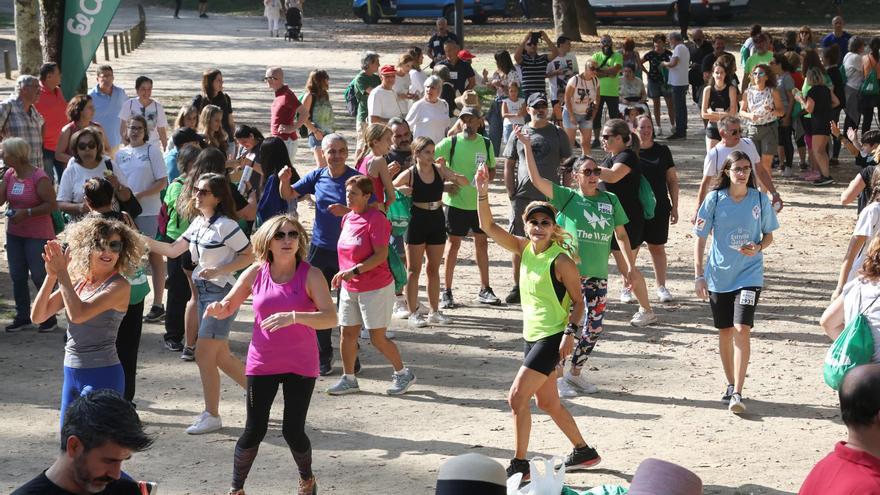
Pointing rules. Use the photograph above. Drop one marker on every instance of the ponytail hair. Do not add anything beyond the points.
(620, 128)
(557, 234)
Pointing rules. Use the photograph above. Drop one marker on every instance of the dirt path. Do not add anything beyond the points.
(659, 386)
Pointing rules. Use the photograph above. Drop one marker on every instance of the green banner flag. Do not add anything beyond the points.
(84, 25)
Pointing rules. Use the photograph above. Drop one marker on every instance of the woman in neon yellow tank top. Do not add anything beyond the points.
(552, 306)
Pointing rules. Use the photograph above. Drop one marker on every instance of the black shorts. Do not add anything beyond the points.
(731, 308)
(517, 208)
(542, 355)
(712, 132)
(656, 230)
(426, 227)
(186, 261)
(461, 222)
(635, 230)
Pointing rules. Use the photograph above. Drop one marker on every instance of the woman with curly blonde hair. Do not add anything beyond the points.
(90, 271)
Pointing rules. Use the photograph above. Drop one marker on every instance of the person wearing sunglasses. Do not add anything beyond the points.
(552, 309)
(88, 161)
(219, 248)
(80, 112)
(741, 221)
(762, 55)
(290, 300)
(90, 271)
(581, 102)
(533, 65)
(762, 108)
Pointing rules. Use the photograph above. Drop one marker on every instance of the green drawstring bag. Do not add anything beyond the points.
(869, 86)
(647, 198)
(399, 213)
(853, 347)
(398, 270)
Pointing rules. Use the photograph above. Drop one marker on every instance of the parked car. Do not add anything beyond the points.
(478, 11)
(702, 11)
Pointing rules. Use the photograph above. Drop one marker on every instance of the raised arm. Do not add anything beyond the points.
(504, 239)
(541, 184)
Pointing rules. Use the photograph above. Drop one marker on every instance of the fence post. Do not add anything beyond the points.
(7, 64)
(122, 47)
(127, 42)
(115, 47)
(95, 57)
(106, 50)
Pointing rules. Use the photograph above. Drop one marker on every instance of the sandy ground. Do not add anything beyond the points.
(659, 386)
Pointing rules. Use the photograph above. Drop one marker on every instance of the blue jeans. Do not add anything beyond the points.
(210, 327)
(24, 258)
(679, 103)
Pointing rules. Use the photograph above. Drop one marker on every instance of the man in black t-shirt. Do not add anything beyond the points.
(461, 74)
(699, 47)
(100, 431)
(708, 61)
(438, 40)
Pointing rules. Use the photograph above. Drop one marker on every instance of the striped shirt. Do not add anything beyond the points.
(534, 73)
(15, 122)
(213, 243)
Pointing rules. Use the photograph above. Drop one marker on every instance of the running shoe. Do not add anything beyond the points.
(626, 296)
(233, 491)
(823, 181)
(205, 423)
(727, 394)
(326, 369)
(446, 299)
(20, 326)
(417, 321)
(345, 386)
(389, 333)
(48, 326)
(519, 466)
(365, 334)
(580, 383)
(188, 354)
(438, 318)
(156, 314)
(400, 311)
(401, 382)
(308, 487)
(810, 175)
(664, 295)
(487, 296)
(643, 318)
(513, 295)
(581, 458)
(736, 405)
(173, 345)
(787, 171)
(564, 389)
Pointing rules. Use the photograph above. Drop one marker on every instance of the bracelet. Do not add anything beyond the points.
(484, 198)
(570, 329)
(697, 279)
(293, 314)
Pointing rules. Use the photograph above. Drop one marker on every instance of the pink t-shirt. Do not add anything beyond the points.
(21, 195)
(291, 349)
(361, 233)
(378, 187)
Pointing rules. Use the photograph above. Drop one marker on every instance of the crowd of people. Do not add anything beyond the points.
(103, 195)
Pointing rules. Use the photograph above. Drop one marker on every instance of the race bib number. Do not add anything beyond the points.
(747, 297)
(479, 159)
(605, 208)
(453, 75)
(18, 188)
(437, 43)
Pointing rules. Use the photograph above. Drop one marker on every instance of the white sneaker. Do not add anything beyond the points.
(417, 321)
(736, 405)
(659, 131)
(438, 318)
(401, 312)
(664, 295)
(205, 423)
(787, 172)
(365, 334)
(389, 333)
(564, 389)
(643, 318)
(580, 382)
(626, 296)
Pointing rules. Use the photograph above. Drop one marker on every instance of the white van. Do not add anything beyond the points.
(702, 11)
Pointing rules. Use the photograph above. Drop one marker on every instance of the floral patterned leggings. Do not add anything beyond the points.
(595, 292)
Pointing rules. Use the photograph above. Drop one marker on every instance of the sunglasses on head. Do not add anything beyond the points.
(542, 223)
(201, 192)
(586, 172)
(281, 235)
(113, 246)
(82, 146)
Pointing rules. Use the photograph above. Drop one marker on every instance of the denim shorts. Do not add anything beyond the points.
(581, 118)
(314, 142)
(210, 327)
(656, 90)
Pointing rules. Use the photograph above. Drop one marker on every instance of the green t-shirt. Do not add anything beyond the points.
(139, 286)
(757, 59)
(468, 152)
(176, 225)
(609, 86)
(591, 220)
(361, 83)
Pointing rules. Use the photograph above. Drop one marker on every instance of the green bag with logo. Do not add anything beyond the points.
(869, 86)
(399, 213)
(853, 347)
(647, 198)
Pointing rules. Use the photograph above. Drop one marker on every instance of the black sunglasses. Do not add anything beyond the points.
(586, 172)
(281, 235)
(733, 132)
(114, 246)
(201, 192)
(86, 146)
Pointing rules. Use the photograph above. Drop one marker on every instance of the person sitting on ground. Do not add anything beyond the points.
(101, 431)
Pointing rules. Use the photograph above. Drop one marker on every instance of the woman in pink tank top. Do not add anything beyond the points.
(371, 162)
(290, 300)
(31, 200)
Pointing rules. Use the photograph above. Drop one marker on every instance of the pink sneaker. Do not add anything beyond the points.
(810, 175)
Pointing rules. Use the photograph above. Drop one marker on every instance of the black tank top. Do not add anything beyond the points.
(719, 99)
(426, 193)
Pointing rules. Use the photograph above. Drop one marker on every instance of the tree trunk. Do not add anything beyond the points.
(586, 18)
(573, 18)
(53, 15)
(27, 37)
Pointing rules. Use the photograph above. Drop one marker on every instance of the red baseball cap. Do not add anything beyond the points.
(466, 55)
(388, 69)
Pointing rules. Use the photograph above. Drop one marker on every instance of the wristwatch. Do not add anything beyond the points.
(356, 270)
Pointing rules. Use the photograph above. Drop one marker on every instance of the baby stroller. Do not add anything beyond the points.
(293, 24)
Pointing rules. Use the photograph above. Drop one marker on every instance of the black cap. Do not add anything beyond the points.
(473, 111)
(187, 135)
(537, 98)
(540, 207)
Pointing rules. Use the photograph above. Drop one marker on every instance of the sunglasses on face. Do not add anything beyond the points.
(82, 146)
(759, 73)
(733, 132)
(201, 192)
(281, 235)
(113, 246)
(586, 172)
(542, 223)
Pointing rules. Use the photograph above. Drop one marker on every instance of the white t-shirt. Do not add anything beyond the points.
(142, 166)
(678, 75)
(586, 91)
(417, 81)
(214, 244)
(401, 87)
(567, 63)
(855, 74)
(858, 296)
(716, 156)
(383, 103)
(153, 112)
(514, 107)
(429, 119)
(867, 225)
(74, 179)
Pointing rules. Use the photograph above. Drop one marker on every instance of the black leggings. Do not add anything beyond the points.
(179, 294)
(785, 140)
(261, 392)
(128, 340)
(610, 102)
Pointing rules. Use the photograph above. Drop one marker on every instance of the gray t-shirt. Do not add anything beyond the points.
(784, 84)
(550, 146)
(93, 344)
